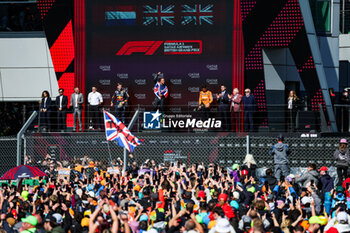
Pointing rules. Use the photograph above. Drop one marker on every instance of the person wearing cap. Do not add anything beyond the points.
(29, 224)
(340, 222)
(85, 224)
(280, 151)
(326, 184)
(225, 206)
(234, 173)
(222, 226)
(53, 223)
(326, 181)
(342, 157)
(90, 170)
(8, 223)
(314, 224)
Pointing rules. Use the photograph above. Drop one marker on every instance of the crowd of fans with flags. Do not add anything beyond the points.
(175, 197)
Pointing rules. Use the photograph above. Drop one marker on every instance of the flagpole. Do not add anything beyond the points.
(109, 149)
(110, 155)
(124, 140)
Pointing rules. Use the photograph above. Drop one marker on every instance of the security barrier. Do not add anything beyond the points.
(223, 148)
(8, 149)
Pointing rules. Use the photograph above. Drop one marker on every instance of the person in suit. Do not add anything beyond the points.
(61, 104)
(224, 106)
(45, 109)
(76, 101)
(248, 109)
(235, 109)
(292, 108)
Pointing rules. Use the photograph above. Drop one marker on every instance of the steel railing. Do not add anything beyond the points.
(267, 118)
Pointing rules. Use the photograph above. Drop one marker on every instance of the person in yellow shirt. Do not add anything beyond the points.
(205, 100)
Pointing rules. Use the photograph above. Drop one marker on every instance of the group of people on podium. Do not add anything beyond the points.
(61, 106)
(95, 100)
(229, 106)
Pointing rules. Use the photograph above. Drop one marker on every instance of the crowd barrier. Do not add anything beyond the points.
(222, 148)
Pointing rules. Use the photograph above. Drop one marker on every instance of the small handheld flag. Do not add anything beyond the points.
(117, 131)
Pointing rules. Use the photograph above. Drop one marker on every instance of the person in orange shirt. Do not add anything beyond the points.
(205, 100)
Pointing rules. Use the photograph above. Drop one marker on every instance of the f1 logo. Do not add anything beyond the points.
(147, 47)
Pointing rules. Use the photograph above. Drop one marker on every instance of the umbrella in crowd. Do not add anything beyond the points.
(22, 171)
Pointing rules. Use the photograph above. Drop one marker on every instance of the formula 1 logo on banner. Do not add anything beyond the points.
(151, 120)
(171, 47)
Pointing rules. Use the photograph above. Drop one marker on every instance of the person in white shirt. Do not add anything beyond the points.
(76, 101)
(95, 100)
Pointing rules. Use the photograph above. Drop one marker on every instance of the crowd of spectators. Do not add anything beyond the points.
(150, 197)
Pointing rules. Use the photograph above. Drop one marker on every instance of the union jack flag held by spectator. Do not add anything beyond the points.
(117, 131)
(197, 14)
(159, 15)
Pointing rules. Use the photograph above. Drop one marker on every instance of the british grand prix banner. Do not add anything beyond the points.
(129, 41)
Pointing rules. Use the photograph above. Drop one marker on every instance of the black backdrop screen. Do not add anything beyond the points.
(189, 41)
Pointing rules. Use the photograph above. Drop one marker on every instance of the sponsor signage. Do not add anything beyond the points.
(140, 82)
(170, 47)
(105, 82)
(212, 67)
(123, 76)
(155, 120)
(112, 171)
(63, 173)
(176, 81)
(173, 155)
(54, 151)
(140, 96)
(105, 68)
(193, 89)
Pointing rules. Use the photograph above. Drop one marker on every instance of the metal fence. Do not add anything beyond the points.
(275, 118)
(8, 149)
(222, 148)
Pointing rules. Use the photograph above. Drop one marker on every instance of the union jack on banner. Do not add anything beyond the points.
(198, 14)
(117, 131)
(158, 15)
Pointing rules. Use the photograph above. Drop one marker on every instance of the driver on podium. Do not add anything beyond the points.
(120, 99)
